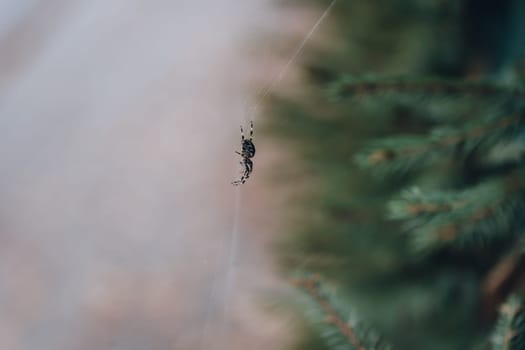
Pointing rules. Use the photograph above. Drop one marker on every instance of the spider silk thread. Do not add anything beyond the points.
(234, 235)
(279, 77)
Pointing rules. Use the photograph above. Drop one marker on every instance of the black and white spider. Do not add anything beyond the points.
(247, 152)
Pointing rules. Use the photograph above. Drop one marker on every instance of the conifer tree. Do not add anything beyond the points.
(413, 136)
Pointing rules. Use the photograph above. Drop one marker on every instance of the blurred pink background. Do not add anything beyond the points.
(118, 122)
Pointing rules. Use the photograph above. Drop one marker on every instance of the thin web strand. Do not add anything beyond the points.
(279, 77)
(234, 236)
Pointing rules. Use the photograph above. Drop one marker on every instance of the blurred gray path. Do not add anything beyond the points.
(118, 121)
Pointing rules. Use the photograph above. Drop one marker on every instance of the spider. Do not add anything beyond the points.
(247, 152)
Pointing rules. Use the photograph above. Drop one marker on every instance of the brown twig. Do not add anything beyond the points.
(435, 86)
(500, 281)
(381, 155)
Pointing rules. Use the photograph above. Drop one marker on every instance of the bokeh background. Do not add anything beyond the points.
(118, 122)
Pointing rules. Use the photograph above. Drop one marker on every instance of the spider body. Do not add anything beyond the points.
(247, 152)
(248, 148)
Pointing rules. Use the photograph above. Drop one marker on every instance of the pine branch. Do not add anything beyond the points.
(338, 332)
(435, 219)
(510, 329)
(401, 154)
(350, 86)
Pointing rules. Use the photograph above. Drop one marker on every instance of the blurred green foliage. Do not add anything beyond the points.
(436, 299)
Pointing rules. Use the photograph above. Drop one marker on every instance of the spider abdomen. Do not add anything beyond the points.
(248, 149)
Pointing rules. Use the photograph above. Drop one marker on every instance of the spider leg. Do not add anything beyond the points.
(239, 153)
(244, 177)
(251, 129)
(239, 182)
(242, 134)
(247, 170)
